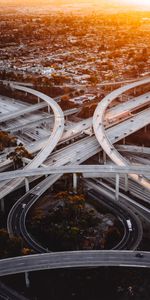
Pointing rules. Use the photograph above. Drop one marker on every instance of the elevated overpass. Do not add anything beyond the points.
(54, 137)
(73, 259)
(133, 149)
(120, 112)
(103, 138)
(89, 170)
(85, 148)
(76, 154)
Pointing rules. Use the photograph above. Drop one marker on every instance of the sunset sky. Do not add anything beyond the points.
(132, 2)
(136, 3)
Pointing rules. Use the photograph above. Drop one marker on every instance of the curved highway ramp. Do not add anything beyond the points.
(74, 259)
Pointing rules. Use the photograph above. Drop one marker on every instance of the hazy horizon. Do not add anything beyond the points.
(81, 4)
(63, 2)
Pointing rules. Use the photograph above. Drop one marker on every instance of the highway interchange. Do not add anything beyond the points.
(96, 134)
(74, 259)
(104, 139)
(69, 154)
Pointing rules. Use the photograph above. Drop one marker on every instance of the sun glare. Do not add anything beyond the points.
(138, 2)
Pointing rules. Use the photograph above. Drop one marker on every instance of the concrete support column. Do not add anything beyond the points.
(27, 281)
(124, 141)
(38, 100)
(23, 162)
(2, 205)
(48, 109)
(99, 157)
(27, 185)
(117, 187)
(75, 182)
(126, 183)
(104, 157)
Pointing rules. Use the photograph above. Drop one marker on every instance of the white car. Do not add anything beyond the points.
(23, 205)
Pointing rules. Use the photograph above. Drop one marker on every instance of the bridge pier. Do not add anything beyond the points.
(117, 187)
(126, 183)
(2, 205)
(27, 185)
(52, 187)
(99, 157)
(27, 280)
(75, 182)
(104, 157)
(48, 109)
(23, 162)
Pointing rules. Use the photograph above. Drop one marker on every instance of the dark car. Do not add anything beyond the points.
(140, 255)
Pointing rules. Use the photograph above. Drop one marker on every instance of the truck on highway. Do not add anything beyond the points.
(129, 225)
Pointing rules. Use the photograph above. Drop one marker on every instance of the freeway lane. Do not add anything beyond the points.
(46, 119)
(69, 158)
(133, 149)
(79, 128)
(126, 107)
(91, 169)
(57, 130)
(120, 130)
(104, 139)
(53, 139)
(6, 293)
(89, 146)
(17, 220)
(24, 111)
(136, 190)
(73, 259)
(131, 238)
(108, 191)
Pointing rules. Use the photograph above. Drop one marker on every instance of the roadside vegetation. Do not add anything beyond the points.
(7, 140)
(17, 155)
(11, 247)
(72, 224)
